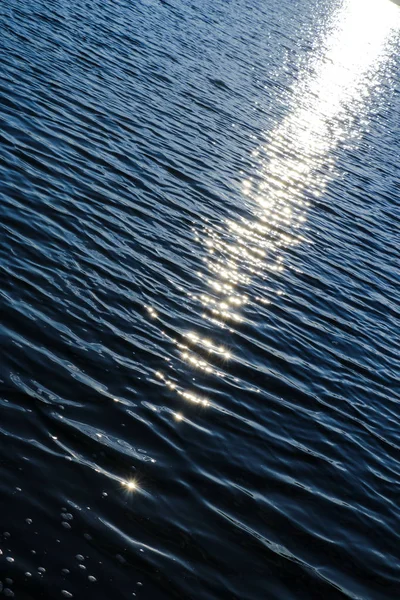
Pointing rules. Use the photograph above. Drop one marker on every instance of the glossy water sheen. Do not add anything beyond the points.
(199, 312)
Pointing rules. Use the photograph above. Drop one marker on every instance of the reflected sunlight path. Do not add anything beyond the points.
(328, 106)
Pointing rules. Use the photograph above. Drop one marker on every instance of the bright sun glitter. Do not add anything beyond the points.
(130, 485)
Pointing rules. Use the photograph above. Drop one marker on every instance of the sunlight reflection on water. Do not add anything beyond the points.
(295, 166)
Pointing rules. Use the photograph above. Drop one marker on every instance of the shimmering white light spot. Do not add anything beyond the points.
(131, 485)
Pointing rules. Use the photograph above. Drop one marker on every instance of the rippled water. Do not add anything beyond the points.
(199, 313)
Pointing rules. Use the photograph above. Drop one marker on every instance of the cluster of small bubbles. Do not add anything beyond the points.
(66, 518)
(7, 591)
(41, 570)
(29, 521)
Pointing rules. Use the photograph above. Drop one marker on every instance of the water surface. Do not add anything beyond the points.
(199, 314)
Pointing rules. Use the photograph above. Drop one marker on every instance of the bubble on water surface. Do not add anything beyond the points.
(121, 559)
(66, 516)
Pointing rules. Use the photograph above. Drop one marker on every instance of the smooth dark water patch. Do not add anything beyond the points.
(199, 316)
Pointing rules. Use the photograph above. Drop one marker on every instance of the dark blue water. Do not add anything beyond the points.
(199, 314)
